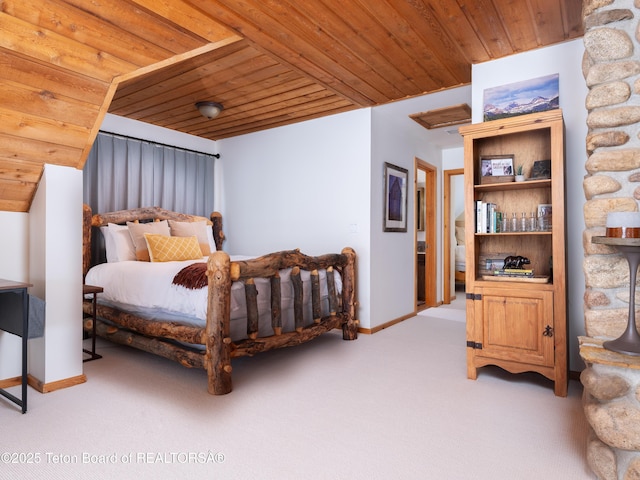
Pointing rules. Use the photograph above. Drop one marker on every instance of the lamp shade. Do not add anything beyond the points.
(209, 109)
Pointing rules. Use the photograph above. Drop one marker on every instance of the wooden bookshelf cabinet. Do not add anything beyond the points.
(518, 324)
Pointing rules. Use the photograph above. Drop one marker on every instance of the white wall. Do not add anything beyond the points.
(566, 60)
(44, 248)
(14, 265)
(272, 178)
(268, 177)
(55, 270)
(301, 186)
(398, 139)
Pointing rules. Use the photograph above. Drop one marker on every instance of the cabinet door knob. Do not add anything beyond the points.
(548, 331)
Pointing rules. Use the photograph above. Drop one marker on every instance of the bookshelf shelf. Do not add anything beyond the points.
(513, 185)
(517, 234)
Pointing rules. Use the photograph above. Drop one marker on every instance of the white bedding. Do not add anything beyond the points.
(460, 258)
(146, 289)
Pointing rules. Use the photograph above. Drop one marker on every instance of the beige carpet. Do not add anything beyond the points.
(394, 405)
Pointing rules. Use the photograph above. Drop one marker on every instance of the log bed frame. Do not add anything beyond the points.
(128, 329)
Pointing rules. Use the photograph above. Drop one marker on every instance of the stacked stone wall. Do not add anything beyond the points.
(612, 72)
(611, 68)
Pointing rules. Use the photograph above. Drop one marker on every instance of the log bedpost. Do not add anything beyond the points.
(349, 302)
(218, 234)
(217, 331)
(86, 239)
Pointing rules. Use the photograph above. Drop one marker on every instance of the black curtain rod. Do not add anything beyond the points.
(217, 155)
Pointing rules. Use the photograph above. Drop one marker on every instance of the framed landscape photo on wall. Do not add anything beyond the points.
(395, 198)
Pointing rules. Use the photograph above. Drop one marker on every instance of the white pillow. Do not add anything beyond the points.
(125, 248)
(212, 243)
(460, 235)
(111, 241)
(118, 244)
(109, 247)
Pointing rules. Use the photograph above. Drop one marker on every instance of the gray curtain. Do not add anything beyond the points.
(122, 173)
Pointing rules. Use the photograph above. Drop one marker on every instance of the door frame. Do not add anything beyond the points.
(446, 232)
(431, 239)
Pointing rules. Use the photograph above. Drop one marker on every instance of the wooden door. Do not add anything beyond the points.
(517, 325)
(430, 254)
(448, 232)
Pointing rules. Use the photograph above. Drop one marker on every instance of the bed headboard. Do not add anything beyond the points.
(93, 246)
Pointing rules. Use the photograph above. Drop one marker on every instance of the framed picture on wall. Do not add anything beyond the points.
(395, 198)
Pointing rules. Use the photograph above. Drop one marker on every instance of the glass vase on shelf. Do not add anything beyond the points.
(533, 223)
(504, 224)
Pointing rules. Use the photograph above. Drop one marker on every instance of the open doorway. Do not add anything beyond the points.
(453, 250)
(425, 194)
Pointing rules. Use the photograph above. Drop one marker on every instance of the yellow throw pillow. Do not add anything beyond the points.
(163, 248)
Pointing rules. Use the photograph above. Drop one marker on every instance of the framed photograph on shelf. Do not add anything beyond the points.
(541, 170)
(395, 198)
(544, 209)
(544, 217)
(496, 169)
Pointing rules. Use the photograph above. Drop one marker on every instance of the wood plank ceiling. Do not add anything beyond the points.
(65, 63)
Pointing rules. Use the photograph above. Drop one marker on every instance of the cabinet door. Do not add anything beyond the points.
(514, 325)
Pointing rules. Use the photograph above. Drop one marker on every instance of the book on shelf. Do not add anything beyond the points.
(488, 219)
(513, 273)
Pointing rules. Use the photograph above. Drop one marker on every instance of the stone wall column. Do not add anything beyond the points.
(611, 67)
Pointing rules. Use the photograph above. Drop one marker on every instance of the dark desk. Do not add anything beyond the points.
(14, 318)
(92, 290)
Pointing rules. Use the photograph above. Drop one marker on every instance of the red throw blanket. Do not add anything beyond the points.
(193, 276)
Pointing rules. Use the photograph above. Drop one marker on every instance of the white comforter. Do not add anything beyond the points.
(146, 289)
